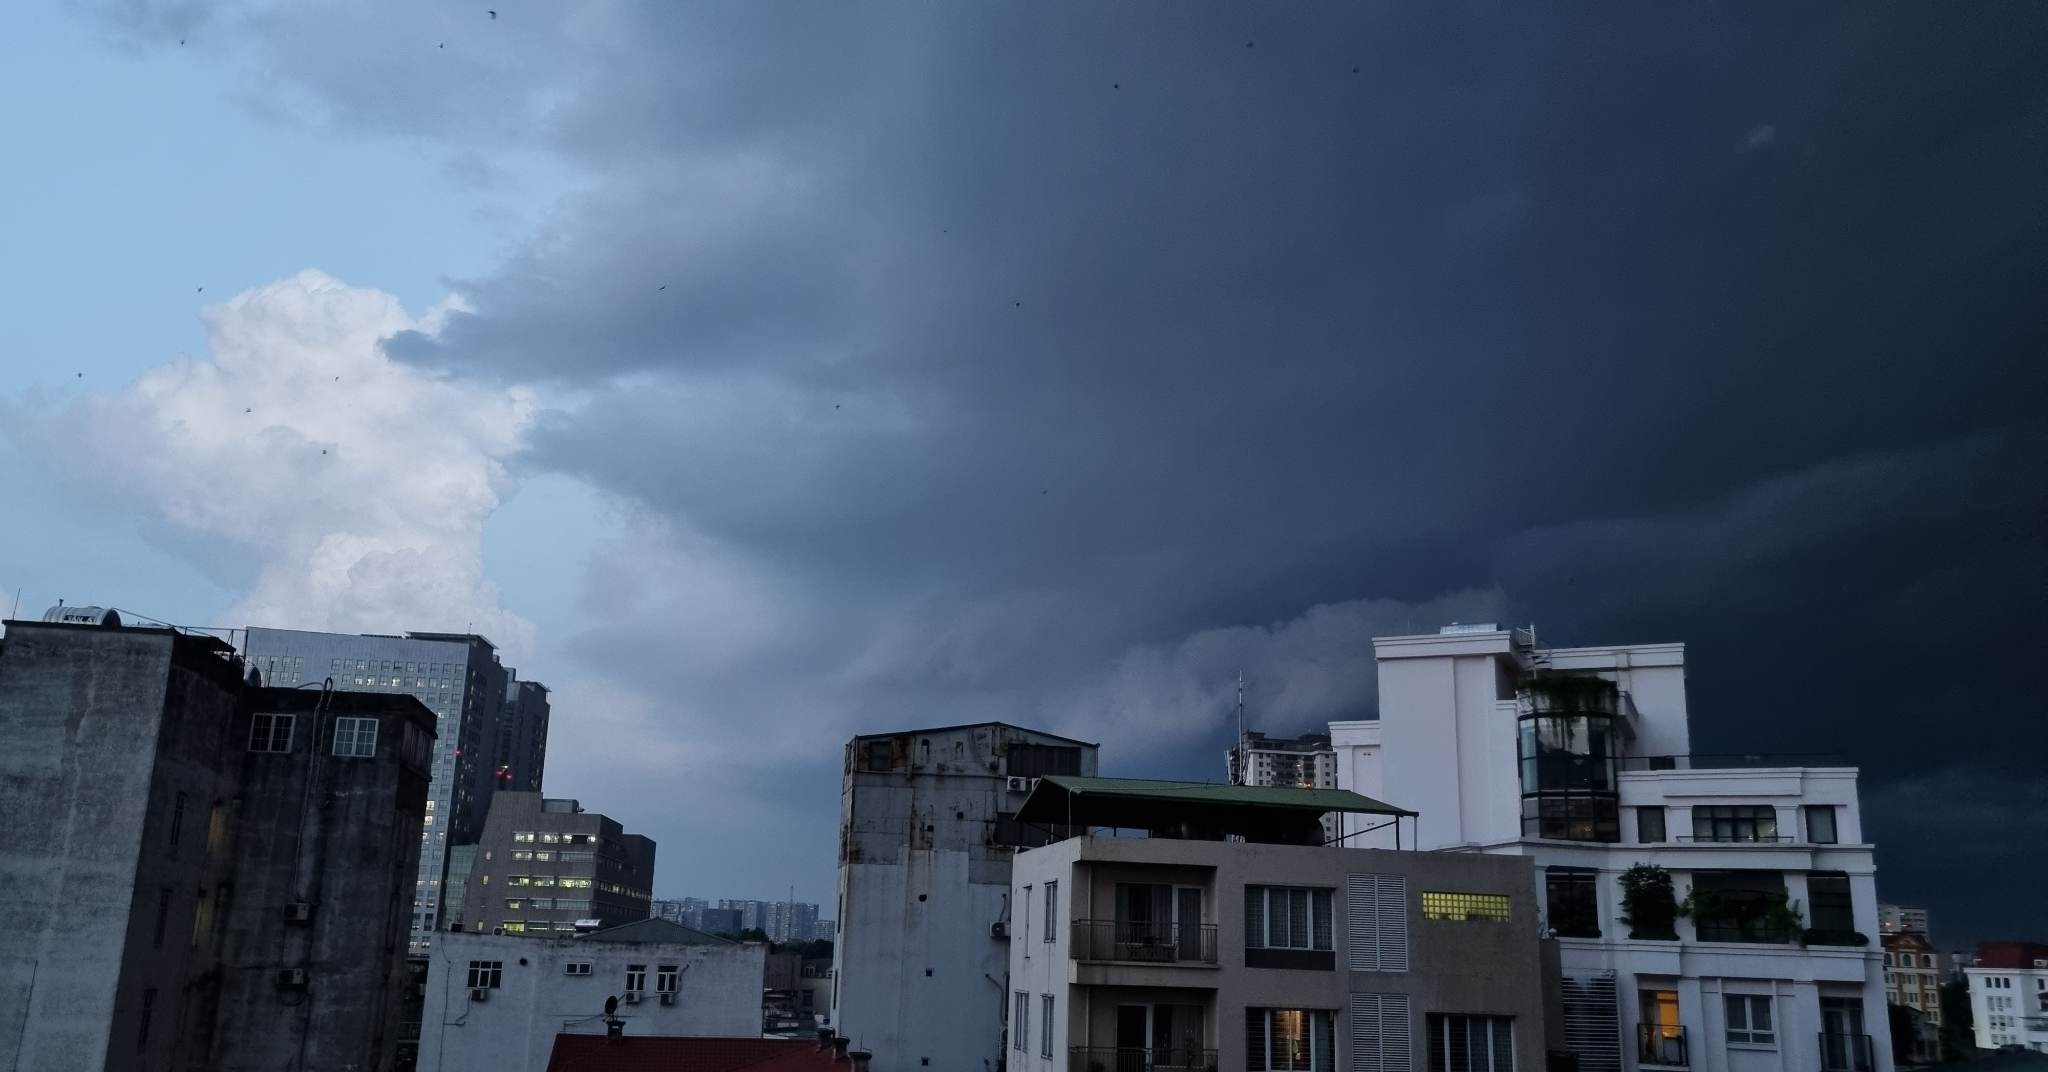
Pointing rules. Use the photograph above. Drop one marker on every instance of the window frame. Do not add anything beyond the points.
(1737, 818)
(486, 974)
(1834, 824)
(1463, 906)
(667, 978)
(1748, 1034)
(355, 727)
(1438, 1027)
(1572, 878)
(1311, 930)
(1045, 1015)
(1052, 911)
(263, 732)
(1318, 1026)
(1643, 814)
(1020, 1022)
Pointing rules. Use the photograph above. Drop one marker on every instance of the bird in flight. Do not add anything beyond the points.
(492, 14)
(664, 286)
(201, 290)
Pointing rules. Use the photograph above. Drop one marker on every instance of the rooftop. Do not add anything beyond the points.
(973, 726)
(654, 931)
(1194, 810)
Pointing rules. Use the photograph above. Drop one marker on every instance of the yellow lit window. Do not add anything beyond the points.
(1465, 906)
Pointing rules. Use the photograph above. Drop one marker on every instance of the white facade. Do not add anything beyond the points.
(2009, 1006)
(1449, 744)
(1308, 762)
(542, 987)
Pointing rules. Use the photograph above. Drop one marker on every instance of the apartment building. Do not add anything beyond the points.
(1912, 980)
(544, 866)
(1307, 762)
(1712, 912)
(496, 1002)
(927, 832)
(477, 702)
(1231, 937)
(2009, 995)
(1894, 919)
(200, 872)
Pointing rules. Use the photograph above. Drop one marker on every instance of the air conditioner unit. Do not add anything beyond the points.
(298, 912)
(999, 929)
(630, 997)
(1020, 784)
(480, 994)
(292, 978)
(668, 997)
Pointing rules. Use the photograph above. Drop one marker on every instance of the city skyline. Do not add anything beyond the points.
(757, 382)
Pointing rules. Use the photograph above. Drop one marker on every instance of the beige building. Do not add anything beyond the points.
(1229, 937)
(1912, 980)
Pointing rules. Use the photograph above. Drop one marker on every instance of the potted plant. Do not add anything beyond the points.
(1647, 904)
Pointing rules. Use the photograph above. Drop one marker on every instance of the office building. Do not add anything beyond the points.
(2009, 995)
(1305, 762)
(459, 677)
(1912, 980)
(1232, 937)
(201, 873)
(496, 1002)
(547, 867)
(1897, 919)
(927, 832)
(1581, 760)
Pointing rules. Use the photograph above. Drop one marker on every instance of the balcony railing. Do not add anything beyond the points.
(1733, 760)
(1661, 1046)
(1845, 1053)
(1157, 943)
(1138, 1059)
(1737, 839)
(1752, 931)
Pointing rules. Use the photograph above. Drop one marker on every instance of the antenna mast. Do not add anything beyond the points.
(1242, 757)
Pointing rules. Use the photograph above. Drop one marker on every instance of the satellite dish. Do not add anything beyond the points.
(611, 1005)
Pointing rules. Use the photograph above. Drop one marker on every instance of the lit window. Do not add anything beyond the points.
(1465, 906)
(1296, 1040)
(357, 737)
(270, 733)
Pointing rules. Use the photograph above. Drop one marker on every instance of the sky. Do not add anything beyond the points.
(757, 376)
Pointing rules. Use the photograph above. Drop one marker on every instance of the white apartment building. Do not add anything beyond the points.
(1901, 919)
(2009, 995)
(495, 1002)
(1304, 762)
(1580, 758)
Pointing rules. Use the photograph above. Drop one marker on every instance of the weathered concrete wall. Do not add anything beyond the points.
(103, 734)
(513, 1030)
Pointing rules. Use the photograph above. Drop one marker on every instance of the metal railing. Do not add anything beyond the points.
(1139, 1059)
(1845, 1053)
(1158, 943)
(1733, 760)
(1661, 1045)
(1736, 839)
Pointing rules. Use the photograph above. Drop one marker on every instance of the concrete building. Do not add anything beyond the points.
(459, 677)
(1895, 919)
(522, 753)
(546, 866)
(1580, 759)
(927, 831)
(2009, 995)
(1306, 762)
(200, 873)
(496, 1002)
(1232, 937)
(1912, 980)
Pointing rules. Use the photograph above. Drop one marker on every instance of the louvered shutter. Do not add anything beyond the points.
(1393, 923)
(1361, 927)
(1365, 1033)
(1396, 1036)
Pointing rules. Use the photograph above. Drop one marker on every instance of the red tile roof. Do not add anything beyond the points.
(652, 1053)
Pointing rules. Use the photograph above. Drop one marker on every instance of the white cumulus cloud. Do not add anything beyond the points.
(336, 488)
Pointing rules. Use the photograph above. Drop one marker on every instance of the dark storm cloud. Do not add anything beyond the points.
(1012, 341)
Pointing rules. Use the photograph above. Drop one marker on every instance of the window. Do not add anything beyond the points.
(178, 819)
(1459, 1043)
(1572, 901)
(1827, 892)
(1735, 822)
(1820, 824)
(1052, 911)
(1650, 825)
(355, 736)
(486, 974)
(1464, 906)
(1027, 919)
(148, 1012)
(665, 976)
(1286, 917)
(636, 977)
(1749, 1019)
(522, 837)
(270, 733)
(1376, 922)
(202, 919)
(163, 915)
(1045, 1025)
(1290, 1039)
(1020, 1021)
(1035, 760)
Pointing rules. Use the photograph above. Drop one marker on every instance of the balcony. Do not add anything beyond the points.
(1739, 838)
(1135, 1059)
(1662, 1046)
(1144, 942)
(1845, 1053)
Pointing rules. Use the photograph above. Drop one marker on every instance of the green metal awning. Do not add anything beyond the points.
(1058, 797)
